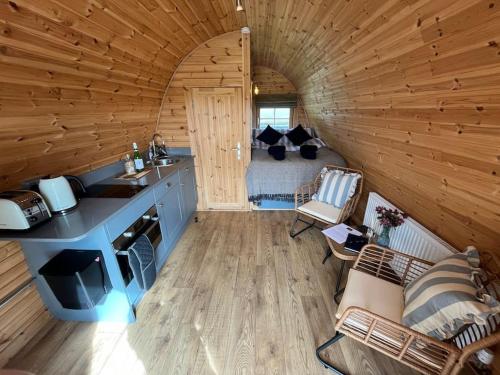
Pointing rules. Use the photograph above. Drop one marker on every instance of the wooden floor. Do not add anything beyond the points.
(237, 296)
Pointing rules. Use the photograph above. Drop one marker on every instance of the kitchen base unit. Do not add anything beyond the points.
(97, 262)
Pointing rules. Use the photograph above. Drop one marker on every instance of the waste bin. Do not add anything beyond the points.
(78, 278)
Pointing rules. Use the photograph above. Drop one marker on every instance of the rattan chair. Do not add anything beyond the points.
(322, 212)
(371, 309)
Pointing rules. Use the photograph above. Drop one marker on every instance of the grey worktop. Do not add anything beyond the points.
(92, 212)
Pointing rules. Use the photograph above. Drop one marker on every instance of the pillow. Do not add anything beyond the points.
(270, 136)
(288, 144)
(284, 141)
(476, 332)
(308, 152)
(318, 142)
(278, 152)
(337, 187)
(298, 135)
(446, 298)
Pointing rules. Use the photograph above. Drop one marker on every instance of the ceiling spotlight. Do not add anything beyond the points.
(239, 6)
(256, 90)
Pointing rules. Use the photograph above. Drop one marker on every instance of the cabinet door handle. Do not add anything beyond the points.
(160, 205)
(186, 169)
(169, 184)
(182, 184)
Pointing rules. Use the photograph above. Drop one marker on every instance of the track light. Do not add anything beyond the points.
(239, 6)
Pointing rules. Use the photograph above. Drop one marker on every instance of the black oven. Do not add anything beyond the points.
(144, 232)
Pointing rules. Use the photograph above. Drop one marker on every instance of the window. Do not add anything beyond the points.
(278, 118)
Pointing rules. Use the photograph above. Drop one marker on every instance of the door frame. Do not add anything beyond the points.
(195, 148)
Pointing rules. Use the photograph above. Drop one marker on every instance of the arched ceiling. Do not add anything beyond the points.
(406, 89)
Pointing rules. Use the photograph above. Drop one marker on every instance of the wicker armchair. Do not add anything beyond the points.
(322, 212)
(378, 327)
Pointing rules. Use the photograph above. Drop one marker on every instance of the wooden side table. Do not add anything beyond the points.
(344, 255)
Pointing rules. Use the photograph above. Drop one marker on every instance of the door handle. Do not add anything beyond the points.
(238, 150)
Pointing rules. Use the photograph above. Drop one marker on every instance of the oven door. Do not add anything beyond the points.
(153, 232)
(147, 225)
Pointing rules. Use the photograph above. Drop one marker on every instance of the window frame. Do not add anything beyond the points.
(290, 117)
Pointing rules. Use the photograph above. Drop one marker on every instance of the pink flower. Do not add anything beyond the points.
(390, 217)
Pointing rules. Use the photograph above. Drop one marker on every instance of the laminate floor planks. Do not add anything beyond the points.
(237, 296)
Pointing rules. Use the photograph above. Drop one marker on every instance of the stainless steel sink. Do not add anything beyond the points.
(164, 161)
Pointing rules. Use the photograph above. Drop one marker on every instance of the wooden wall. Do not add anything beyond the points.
(80, 80)
(271, 82)
(414, 101)
(25, 315)
(215, 63)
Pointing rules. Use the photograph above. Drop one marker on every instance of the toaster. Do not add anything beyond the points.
(22, 209)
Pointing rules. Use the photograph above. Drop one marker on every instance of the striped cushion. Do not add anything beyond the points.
(476, 332)
(445, 298)
(337, 187)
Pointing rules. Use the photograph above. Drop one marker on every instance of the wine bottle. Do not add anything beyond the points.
(138, 162)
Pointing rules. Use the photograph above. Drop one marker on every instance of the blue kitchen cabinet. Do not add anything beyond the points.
(95, 225)
(169, 206)
(114, 306)
(188, 189)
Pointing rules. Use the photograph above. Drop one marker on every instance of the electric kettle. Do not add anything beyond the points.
(58, 193)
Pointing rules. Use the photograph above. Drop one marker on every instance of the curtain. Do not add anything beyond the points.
(276, 101)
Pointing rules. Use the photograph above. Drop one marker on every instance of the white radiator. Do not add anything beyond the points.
(411, 237)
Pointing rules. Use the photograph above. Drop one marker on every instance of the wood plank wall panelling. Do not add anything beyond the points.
(216, 63)
(271, 82)
(25, 315)
(415, 103)
(81, 80)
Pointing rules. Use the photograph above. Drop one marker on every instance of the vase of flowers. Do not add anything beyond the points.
(389, 218)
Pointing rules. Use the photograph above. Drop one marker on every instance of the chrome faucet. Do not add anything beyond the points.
(153, 147)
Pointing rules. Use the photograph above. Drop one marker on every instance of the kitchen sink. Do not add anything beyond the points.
(164, 162)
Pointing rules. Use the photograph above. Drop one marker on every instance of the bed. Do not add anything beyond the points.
(271, 184)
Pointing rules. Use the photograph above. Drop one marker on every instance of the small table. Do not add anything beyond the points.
(338, 250)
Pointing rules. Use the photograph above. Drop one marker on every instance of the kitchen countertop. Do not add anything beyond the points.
(92, 212)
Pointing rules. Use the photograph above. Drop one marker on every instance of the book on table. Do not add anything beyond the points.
(355, 243)
(339, 233)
